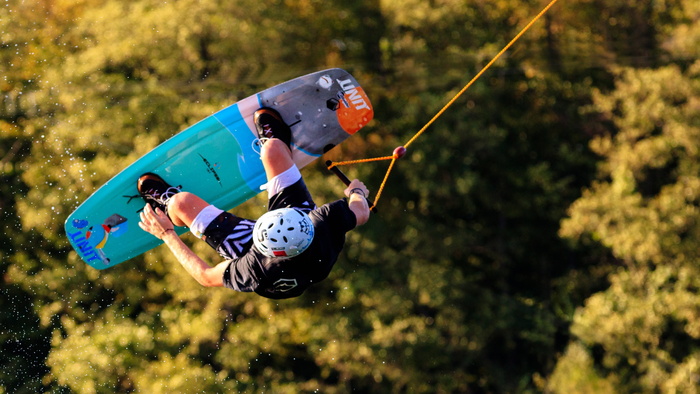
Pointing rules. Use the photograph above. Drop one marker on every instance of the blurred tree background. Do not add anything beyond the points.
(540, 236)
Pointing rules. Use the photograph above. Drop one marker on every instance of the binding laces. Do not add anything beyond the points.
(161, 199)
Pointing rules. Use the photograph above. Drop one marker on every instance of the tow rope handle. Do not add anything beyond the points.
(343, 178)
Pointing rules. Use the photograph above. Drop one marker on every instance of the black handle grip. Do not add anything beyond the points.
(346, 181)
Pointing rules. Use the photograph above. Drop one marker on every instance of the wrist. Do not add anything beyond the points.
(359, 191)
(166, 231)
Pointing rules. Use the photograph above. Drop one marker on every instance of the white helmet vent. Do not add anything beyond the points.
(283, 233)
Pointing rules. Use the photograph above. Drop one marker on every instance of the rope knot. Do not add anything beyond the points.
(399, 152)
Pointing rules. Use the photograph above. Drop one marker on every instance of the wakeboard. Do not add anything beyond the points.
(218, 159)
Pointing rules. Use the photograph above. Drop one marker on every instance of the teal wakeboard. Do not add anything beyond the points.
(218, 159)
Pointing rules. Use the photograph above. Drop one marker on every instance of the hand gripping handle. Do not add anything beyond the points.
(346, 181)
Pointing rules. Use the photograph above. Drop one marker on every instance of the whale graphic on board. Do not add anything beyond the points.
(115, 225)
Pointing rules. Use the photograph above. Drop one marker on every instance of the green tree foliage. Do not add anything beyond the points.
(24, 343)
(463, 282)
(641, 333)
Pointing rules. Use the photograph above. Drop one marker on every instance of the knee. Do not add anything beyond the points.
(274, 148)
(184, 207)
(177, 205)
(177, 201)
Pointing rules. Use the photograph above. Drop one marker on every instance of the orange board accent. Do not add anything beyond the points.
(355, 110)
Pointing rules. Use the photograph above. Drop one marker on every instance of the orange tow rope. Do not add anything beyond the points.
(401, 150)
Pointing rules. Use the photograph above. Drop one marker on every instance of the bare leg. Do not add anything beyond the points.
(276, 157)
(184, 207)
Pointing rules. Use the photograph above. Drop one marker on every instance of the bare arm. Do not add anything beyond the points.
(158, 224)
(357, 201)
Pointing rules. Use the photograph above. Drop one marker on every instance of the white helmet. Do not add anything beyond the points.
(284, 232)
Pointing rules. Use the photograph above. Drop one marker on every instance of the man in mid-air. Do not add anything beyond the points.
(292, 246)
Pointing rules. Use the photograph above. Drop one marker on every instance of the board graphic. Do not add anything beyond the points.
(218, 159)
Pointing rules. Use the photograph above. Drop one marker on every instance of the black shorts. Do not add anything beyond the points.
(232, 236)
(294, 196)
